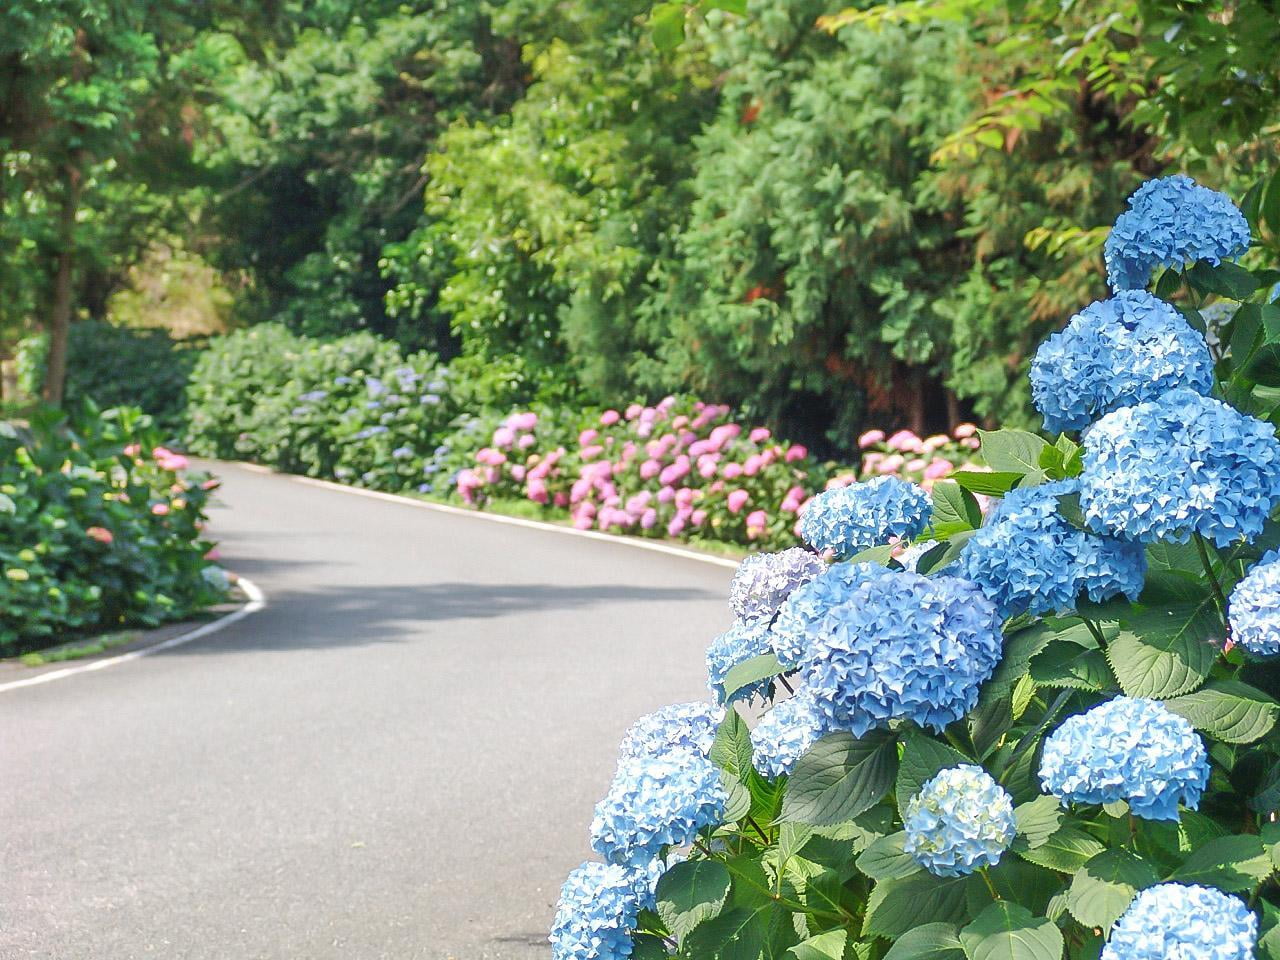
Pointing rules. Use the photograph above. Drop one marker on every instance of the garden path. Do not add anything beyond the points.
(396, 759)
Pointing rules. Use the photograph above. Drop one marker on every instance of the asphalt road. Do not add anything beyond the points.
(397, 758)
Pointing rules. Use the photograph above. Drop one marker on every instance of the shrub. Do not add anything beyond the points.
(95, 532)
(1043, 733)
(118, 366)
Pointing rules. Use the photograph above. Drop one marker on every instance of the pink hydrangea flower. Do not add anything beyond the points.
(759, 435)
(650, 469)
(610, 417)
(526, 441)
(590, 453)
(792, 501)
(935, 442)
(753, 464)
(684, 497)
(649, 519)
(633, 411)
(160, 509)
(536, 491)
(964, 430)
(706, 467)
(666, 494)
(796, 452)
(522, 421)
(101, 534)
(869, 438)
(587, 437)
(504, 437)
(937, 469)
(676, 526)
(733, 471)
(736, 500)
(698, 517)
(582, 523)
(561, 499)
(890, 464)
(517, 473)
(757, 523)
(904, 440)
(972, 443)
(916, 465)
(680, 422)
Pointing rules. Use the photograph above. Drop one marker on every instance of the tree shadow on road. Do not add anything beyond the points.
(358, 615)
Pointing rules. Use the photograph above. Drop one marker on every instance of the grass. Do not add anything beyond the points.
(74, 651)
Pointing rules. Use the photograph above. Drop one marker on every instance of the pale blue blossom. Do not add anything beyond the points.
(847, 520)
(765, 580)
(1254, 608)
(959, 822)
(1174, 921)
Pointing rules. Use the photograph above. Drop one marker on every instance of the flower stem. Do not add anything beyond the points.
(1096, 631)
(752, 820)
(1219, 598)
(990, 886)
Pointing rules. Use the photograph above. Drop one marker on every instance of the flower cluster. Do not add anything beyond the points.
(680, 726)
(899, 645)
(1128, 749)
(1028, 559)
(801, 612)
(656, 801)
(597, 912)
(1173, 920)
(786, 733)
(1171, 222)
(1254, 608)
(904, 454)
(736, 645)
(1178, 465)
(765, 580)
(1113, 354)
(959, 822)
(846, 520)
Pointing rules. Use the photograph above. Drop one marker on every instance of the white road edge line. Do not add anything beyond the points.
(257, 600)
(499, 518)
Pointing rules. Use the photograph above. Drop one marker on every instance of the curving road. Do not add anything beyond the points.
(396, 759)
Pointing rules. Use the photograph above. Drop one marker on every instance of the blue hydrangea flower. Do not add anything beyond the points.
(656, 802)
(1128, 749)
(1113, 354)
(959, 822)
(786, 733)
(899, 645)
(850, 519)
(1173, 921)
(764, 580)
(1254, 608)
(736, 645)
(794, 624)
(1182, 464)
(1028, 559)
(680, 726)
(1171, 222)
(597, 912)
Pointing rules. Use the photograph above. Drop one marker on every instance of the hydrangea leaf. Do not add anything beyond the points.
(993, 717)
(1017, 881)
(840, 777)
(1066, 851)
(1232, 863)
(1038, 820)
(764, 667)
(1226, 279)
(691, 892)
(895, 906)
(1269, 944)
(1019, 649)
(932, 941)
(921, 760)
(1228, 710)
(1267, 796)
(1008, 931)
(731, 750)
(1066, 664)
(667, 24)
(825, 946)
(1103, 887)
(648, 947)
(737, 798)
(954, 509)
(994, 483)
(1270, 834)
(1163, 653)
(887, 860)
(741, 932)
(1014, 451)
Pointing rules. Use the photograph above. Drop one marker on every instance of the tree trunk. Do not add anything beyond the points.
(59, 324)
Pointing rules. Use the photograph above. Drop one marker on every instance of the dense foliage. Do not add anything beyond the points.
(100, 527)
(1045, 729)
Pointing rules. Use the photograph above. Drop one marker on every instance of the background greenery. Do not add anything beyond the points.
(827, 217)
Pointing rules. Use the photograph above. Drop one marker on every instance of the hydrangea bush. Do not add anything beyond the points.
(1040, 731)
(100, 527)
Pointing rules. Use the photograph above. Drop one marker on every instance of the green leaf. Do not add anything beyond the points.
(734, 935)
(840, 777)
(1228, 710)
(1008, 931)
(1019, 649)
(7, 505)
(932, 941)
(729, 6)
(886, 860)
(922, 759)
(995, 483)
(732, 750)
(1232, 863)
(896, 906)
(764, 667)
(690, 893)
(825, 946)
(1102, 888)
(1038, 820)
(1066, 851)
(1014, 451)
(1163, 653)
(1069, 665)
(954, 508)
(880, 556)
(667, 24)
(1226, 279)
(738, 797)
